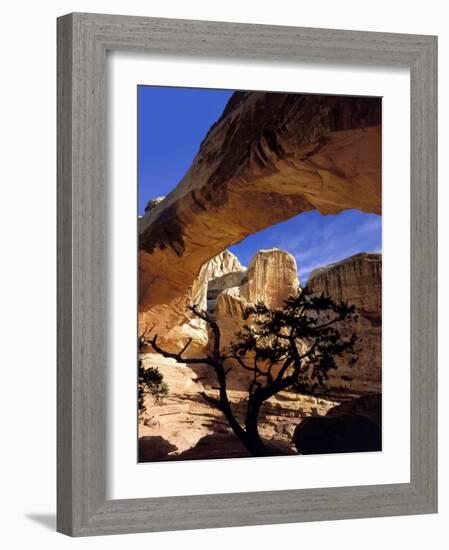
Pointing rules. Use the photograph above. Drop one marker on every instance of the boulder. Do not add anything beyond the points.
(368, 406)
(353, 426)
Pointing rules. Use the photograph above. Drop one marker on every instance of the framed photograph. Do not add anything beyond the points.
(247, 279)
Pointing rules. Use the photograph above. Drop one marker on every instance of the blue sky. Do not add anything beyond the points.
(172, 122)
(316, 240)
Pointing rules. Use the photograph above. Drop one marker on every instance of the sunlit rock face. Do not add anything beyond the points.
(268, 158)
(357, 280)
(224, 288)
(174, 323)
(272, 277)
(230, 281)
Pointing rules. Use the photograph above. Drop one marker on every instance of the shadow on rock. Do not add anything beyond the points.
(354, 426)
(218, 445)
(154, 448)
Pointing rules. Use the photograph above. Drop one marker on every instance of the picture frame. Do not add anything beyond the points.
(83, 41)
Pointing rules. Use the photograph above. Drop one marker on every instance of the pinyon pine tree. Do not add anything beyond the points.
(294, 346)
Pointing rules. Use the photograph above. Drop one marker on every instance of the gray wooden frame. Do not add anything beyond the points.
(83, 40)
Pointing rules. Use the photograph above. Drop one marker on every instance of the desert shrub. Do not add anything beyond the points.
(151, 382)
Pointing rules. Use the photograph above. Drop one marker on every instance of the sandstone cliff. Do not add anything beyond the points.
(224, 266)
(225, 288)
(358, 280)
(272, 277)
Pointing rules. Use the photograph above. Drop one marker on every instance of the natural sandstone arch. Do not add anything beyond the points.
(268, 158)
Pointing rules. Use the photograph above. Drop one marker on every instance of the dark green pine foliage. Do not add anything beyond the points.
(150, 382)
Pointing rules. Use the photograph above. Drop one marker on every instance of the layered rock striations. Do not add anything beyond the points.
(271, 277)
(224, 288)
(357, 280)
(268, 158)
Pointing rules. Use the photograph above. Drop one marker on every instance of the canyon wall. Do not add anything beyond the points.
(357, 280)
(272, 277)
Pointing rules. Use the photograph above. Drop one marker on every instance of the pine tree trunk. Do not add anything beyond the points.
(255, 445)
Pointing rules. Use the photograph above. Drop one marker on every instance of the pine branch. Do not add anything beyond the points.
(178, 356)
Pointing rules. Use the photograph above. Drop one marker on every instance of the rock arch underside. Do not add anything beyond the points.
(268, 158)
